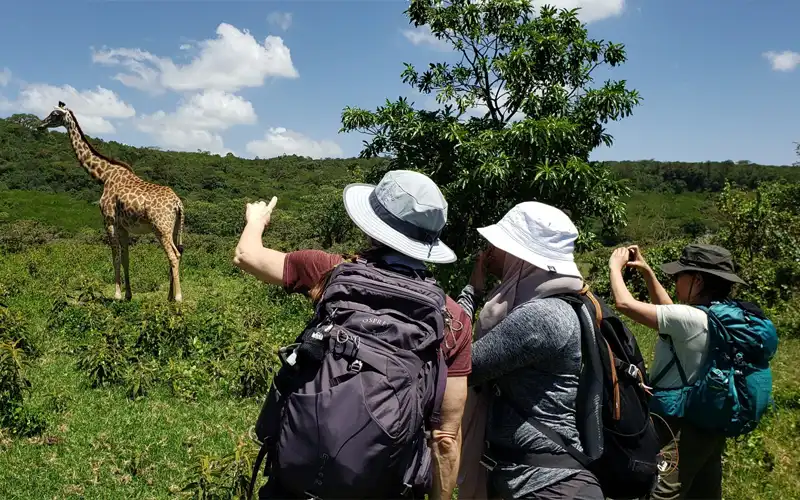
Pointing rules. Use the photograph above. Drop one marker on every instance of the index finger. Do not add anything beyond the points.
(272, 203)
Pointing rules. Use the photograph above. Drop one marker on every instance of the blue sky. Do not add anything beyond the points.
(720, 78)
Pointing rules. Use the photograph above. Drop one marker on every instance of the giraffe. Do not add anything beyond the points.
(129, 205)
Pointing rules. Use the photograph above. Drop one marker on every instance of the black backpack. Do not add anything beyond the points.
(619, 441)
(350, 412)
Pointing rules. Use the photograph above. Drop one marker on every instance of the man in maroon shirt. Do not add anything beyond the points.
(404, 203)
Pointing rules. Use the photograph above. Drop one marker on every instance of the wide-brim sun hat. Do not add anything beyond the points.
(405, 211)
(710, 259)
(539, 234)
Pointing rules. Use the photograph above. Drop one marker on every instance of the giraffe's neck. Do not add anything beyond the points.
(98, 168)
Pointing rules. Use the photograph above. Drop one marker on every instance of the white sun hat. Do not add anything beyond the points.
(539, 234)
(405, 211)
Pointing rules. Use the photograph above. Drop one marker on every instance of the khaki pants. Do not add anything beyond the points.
(699, 472)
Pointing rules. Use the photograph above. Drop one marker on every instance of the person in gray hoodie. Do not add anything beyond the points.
(528, 350)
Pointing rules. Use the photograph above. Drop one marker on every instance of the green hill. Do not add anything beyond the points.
(143, 399)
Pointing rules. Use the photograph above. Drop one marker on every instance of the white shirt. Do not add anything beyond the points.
(687, 326)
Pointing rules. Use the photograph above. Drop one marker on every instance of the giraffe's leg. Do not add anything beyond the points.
(174, 261)
(176, 278)
(124, 242)
(113, 240)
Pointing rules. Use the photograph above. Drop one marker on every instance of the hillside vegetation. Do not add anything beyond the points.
(149, 399)
(145, 399)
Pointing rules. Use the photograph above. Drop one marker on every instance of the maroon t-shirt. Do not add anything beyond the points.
(303, 269)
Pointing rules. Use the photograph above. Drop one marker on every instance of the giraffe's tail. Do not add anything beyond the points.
(177, 230)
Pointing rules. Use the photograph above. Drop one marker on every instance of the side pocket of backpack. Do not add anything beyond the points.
(670, 402)
(269, 418)
(714, 400)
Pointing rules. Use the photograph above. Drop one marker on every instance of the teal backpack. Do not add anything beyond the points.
(735, 388)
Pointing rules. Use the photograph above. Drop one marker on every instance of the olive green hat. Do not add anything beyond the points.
(709, 259)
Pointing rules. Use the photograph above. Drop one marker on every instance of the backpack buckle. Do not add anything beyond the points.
(406, 490)
(633, 371)
(488, 462)
(355, 366)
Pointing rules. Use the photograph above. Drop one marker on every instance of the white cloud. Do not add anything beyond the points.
(282, 20)
(93, 108)
(423, 36)
(185, 46)
(197, 121)
(232, 61)
(590, 10)
(279, 141)
(5, 77)
(783, 61)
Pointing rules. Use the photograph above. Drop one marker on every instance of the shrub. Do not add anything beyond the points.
(225, 477)
(187, 379)
(13, 330)
(762, 231)
(14, 415)
(224, 218)
(140, 377)
(18, 235)
(255, 359)
(104, 360)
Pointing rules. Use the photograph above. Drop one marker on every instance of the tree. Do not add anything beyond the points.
(518, 116)
(797, 152)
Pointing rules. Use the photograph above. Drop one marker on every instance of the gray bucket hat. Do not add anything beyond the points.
(709, 259)
(405, 211)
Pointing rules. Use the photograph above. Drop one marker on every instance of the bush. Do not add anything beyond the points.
(18, 235)
(14, 415)
(255, 359)
(225, 477)
(104, 360)
(224, 218)
(13, 330)
(187, 379)
(140, 378)
(762, 231)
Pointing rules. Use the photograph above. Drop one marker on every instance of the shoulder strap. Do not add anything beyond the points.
(576, 302)
(544, 429)
(420, 274)
(674, 361)
(438, 397)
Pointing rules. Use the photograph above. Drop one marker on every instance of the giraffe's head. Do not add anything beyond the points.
(58, 117)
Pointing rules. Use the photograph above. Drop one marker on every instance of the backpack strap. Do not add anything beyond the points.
(674, 361)
(517, 456)
(576, 455)
(441, 383)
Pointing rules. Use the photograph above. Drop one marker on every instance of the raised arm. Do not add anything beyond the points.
(251, 256)
(658, 295)
(640, 312)
(473, 293)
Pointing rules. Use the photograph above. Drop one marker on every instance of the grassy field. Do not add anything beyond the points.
(196, 371)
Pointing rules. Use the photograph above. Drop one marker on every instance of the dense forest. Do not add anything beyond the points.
(44, 161)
